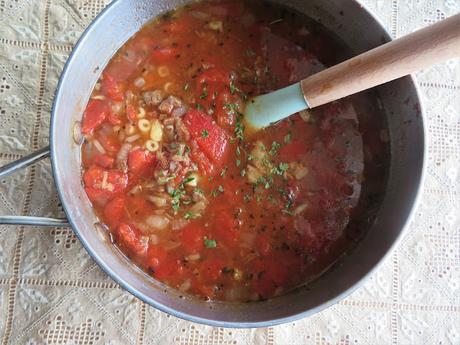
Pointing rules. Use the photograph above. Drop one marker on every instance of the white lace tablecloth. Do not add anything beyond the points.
(51, 292)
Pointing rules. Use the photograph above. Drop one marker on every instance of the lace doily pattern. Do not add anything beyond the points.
(51, 292)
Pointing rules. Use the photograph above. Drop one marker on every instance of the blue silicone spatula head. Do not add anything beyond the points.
(263, 110)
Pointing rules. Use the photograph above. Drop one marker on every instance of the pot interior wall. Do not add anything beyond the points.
(358, 30)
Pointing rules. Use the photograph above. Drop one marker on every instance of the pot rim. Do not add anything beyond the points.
(206, 321)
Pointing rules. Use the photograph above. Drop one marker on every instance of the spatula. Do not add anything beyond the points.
(390, 61)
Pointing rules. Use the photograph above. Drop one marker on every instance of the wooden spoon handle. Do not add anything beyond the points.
(390, 61)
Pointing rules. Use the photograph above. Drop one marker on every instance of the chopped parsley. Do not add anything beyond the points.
(176, 195)
(290, 213)
(224, 171)
(246, 197)
(238, 162)
(216, 192)
(198, 191)
(190, 215)
(199, 106)
(280, 169)
(274, 149)
(265, 181)
(204, 133)
(185, 181)
(233, 87)
(204, 93)
(288, 205)
(288, 138)
(210, 243)
(243, 172)
(165, 179)
(250, 53)
(239, 128)
(233, 108)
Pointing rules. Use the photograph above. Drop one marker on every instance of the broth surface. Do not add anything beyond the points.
(196, 200)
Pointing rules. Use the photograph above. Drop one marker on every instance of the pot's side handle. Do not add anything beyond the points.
(28, 220)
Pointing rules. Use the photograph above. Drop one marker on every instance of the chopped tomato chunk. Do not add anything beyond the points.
(131, 239)
(95, 114)
(109, 142)
(141, 162)
(112, 88)
(211, 138)
(98, 196)
(203, 162)
(114, 119)
(104, 161)
(109, 181)
(114, 210)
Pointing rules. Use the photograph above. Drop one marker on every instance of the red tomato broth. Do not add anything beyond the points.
(208, 208)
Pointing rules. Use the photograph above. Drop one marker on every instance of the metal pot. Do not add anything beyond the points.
(109, 31)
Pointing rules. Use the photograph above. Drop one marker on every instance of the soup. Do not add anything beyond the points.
(188, 192)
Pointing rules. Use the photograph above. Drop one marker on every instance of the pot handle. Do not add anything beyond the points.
(28, 220)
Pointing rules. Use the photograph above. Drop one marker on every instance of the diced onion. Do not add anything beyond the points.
(237, 274)
(98, 146)
(151, 145)
(130, 129)
(299, 209)
(194, 182)
(216, 25)
(178, 224)
(158, 201)
(136, 190)
(185, 285)
(198, 208)
(168, 87)
(163, 71)
(253, 174)
(99, 97)
(193, 257)
(140, 113)
(132, 138)
(157, 222)
(305, 115)
(303, 31)
(154, 239)
(156, 131)
(139, 82)
(117, 107)
(144, 125)
(77, 135)
(300, 171)
(171, 245)
(122, 157)
(199, 15)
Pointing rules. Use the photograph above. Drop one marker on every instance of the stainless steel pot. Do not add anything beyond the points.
(109, 31)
